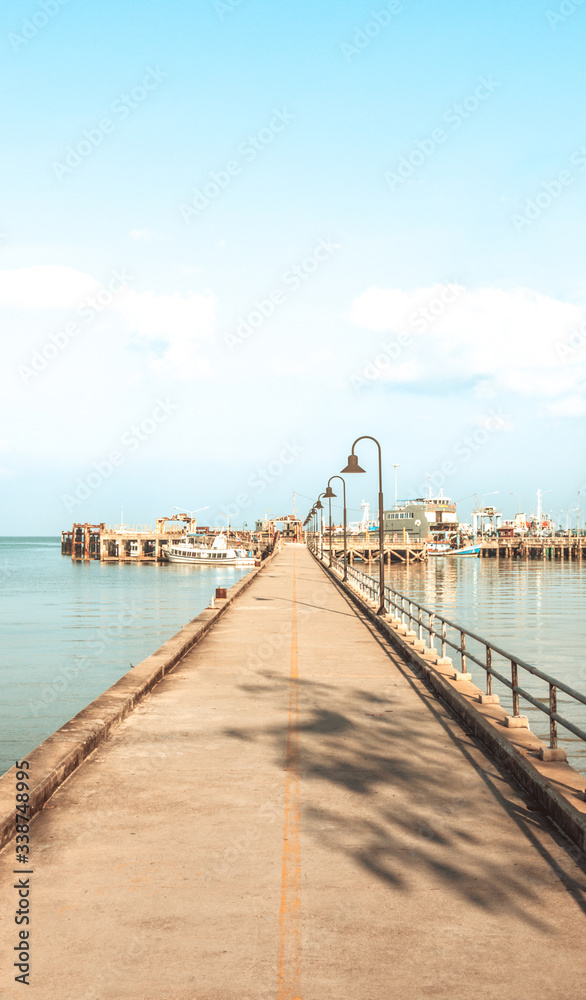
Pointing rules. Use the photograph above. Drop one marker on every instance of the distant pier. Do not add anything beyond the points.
(140, 544)
(367, 549)
(534, 548)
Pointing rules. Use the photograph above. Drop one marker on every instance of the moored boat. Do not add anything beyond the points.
(426, 519)
(469, 550)
(438, 548)
(219, 554)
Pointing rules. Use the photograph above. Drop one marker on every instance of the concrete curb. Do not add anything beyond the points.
(60, 754)
(554, 785)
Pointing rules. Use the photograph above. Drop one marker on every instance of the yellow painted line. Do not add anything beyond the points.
(289, 966)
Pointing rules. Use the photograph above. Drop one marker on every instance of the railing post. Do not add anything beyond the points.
(488, 670)
(553, 726)
(420, 628)
(431, 631)
(463, 650)
(515, 683)
(443, 640)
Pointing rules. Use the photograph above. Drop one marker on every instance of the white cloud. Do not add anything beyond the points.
(541, 381)
(571, 406)
(503, 340)
(45, 287)
(172, 328)
(178, 325)
(144, 235)
(384, 308)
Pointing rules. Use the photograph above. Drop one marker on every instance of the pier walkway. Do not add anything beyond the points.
(291, 814)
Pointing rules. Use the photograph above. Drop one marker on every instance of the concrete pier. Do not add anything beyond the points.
(292, 814)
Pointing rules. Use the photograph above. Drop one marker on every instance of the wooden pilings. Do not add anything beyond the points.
(533, 548)
(368, 551)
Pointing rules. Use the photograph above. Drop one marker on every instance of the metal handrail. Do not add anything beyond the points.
(412, 613)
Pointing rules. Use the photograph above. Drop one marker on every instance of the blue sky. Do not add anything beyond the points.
(405, 169)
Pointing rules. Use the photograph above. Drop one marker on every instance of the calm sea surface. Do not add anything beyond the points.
(535, 610)
(70, 630)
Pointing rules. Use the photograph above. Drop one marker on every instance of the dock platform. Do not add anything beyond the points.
(292, 814)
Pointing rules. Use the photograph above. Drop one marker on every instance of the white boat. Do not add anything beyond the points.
(187, 551)
(438, 548)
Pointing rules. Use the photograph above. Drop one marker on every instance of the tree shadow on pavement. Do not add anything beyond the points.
(405, 800)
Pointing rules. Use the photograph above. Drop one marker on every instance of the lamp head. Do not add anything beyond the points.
(329, 494)
(353, 465)
(319, 505)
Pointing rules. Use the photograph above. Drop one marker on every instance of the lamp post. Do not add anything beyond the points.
(578, 515)
(491, 494)
(513, 494)
(330, 494)
(319, 506)
(353, 466)
(191, 512)
(395, 467)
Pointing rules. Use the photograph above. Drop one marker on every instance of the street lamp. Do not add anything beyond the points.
(492, 493)
(395, 467)
(330, 494)
(319, 506)
(568, 515)
(518, 495)
(191, 512)
(353, 466)
(578, 515)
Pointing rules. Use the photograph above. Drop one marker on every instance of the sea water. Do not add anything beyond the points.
(70, 630)
(533, 609)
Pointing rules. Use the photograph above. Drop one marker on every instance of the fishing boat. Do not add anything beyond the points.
(468, 550)
(219, 554)
(439, 548)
